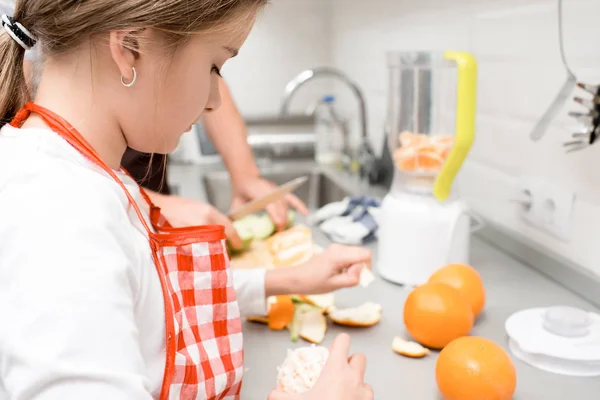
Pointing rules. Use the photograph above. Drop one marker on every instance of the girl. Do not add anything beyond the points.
(100, 297)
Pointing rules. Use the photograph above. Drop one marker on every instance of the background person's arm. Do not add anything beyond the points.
(227, 131)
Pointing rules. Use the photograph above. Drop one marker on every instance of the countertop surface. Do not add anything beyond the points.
(511, 286)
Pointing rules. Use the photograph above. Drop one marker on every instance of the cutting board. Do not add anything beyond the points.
(284, 249)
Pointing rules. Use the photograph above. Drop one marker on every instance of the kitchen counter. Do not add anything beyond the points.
(510, 285)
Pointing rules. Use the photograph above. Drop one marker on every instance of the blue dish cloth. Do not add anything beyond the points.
(350, 221)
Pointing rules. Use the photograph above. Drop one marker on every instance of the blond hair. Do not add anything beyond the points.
(62, 25)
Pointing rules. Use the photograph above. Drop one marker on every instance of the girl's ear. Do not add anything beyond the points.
(124, 49)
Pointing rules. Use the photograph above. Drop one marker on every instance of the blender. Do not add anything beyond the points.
(430, 127)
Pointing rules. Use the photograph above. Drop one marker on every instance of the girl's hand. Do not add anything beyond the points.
(342, 377)
(337, 267)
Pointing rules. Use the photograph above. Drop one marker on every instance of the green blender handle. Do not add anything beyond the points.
(465, 122)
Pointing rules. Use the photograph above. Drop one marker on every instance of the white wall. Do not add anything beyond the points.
(290, 36)
(520, 72)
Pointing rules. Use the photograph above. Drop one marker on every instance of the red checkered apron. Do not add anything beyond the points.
(204, 355)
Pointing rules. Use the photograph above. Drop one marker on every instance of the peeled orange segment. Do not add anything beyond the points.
(404, 152)
(301, 369)
(365, 315)
(436, 313)
(420, 162)
(429, 161)
(313, 326)
(427, 148)
(422, 153)
(407, 164)
(409, 349)
(466, 280)
(409, 139)
(281, 313)
(475, 368)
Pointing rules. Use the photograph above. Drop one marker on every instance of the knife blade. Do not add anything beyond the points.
(261, 203)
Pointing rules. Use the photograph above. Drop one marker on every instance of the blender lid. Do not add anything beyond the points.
(418, 59)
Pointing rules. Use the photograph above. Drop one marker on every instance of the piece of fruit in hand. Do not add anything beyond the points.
(301, 369)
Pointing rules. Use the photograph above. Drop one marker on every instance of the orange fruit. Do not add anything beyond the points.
(475, 368)
(429, 161)
(407, 162)
(410, 161)
(435, 314)
(466, 280)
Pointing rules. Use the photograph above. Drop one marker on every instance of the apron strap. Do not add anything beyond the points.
(74, 138)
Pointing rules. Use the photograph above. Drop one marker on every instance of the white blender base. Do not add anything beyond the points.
(417, 235)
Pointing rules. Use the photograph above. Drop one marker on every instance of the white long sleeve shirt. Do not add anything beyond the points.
(81, 306)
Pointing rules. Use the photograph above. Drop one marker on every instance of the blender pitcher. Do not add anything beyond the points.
(430, 129)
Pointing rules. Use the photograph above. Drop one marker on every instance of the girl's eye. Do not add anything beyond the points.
(216, 70)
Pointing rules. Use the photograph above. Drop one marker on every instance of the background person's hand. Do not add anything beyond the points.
(342, 377)
(253, 188)
(182, 212)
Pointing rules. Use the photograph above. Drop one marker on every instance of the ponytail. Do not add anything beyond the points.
(13, 85)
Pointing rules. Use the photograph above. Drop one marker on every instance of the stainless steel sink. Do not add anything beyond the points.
(318, 191)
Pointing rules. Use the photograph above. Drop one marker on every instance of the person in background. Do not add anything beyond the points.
(104, 298)
(227, 130)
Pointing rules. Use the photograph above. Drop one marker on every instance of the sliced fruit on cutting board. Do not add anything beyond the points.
(257, 256)
(323, 301)
(291, 247)
(297, 235)
(365, 315)
(245, 233)
(409, 349)
(313, 327)
(261, 226)
(281, 313)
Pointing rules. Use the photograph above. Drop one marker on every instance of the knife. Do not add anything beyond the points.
(261, 203)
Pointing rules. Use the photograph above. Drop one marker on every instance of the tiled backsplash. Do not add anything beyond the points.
(515, 42)
(290, 36)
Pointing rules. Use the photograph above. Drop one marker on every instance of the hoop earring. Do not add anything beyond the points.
(130, 84)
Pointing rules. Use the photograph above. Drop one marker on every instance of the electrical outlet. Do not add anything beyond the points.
(547, 206)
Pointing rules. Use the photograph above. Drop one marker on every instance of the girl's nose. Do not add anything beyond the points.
(214, 96)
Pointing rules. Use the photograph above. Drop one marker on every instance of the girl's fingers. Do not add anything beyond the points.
(359, 362)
